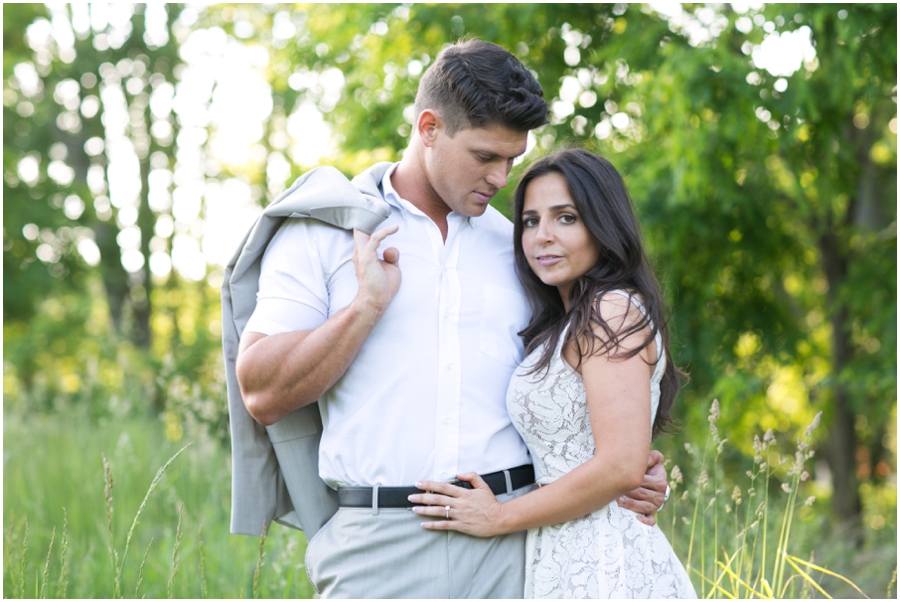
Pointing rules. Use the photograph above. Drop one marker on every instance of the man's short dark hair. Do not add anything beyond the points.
(475, 84)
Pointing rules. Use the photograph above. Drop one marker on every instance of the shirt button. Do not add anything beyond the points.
(447, 420)
(445, 474)
(449, 366)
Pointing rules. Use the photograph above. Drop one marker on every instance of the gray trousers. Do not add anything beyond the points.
(360, 554)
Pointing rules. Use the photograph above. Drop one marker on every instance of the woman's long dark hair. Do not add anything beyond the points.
(606, 211)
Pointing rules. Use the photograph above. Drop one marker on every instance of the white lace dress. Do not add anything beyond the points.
(608, 553)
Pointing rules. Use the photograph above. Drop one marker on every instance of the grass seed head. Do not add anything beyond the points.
(813, 426)
(676, 476)
(736, 495)
(714, 411)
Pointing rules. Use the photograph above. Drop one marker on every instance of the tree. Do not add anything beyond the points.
(768, 199)
(78, 106)
(801, 175)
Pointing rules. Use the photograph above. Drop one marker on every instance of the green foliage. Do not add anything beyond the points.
(768, 202)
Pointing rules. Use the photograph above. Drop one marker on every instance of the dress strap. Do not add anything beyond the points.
(660, 352)
(562, 340)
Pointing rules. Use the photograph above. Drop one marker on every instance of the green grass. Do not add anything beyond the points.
(762, 533)
(58, 510)
(53, 479)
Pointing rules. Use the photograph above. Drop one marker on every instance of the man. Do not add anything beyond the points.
(411, 377)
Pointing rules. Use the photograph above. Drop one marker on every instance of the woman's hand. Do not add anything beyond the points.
(472, 511)
(379, 279)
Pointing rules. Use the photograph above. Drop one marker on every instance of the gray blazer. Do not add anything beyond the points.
(275, 469)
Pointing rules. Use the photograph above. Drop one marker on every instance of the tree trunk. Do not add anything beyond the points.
(115, 278)
(841, 447)
(141, 335)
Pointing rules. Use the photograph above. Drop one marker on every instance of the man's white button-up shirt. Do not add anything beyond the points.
(425, 397)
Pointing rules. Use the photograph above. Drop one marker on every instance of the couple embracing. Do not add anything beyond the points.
(465, 460)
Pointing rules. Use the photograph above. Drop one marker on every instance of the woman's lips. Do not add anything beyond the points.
(547, 260)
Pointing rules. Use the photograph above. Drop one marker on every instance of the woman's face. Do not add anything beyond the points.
(557, 245)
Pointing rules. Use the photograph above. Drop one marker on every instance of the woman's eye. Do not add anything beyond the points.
(567, 218)
(530, 222)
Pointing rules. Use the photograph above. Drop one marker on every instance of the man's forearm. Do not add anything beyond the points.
(280, 373)
(647, 499)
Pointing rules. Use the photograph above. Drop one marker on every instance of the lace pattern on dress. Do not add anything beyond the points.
(608, 553)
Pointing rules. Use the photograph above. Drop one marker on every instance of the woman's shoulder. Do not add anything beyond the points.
(616, 321)
(620, 307)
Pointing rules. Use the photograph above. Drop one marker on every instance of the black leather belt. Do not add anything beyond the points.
(504, 481)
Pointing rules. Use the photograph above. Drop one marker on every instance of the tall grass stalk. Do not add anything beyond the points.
(22, 562)
(204, 590)
(175, 560)
(140, 577)
(259, 562)
(718, 444)
(46, 575)
(693, 522)
(137, 516)
(62, 585)
(108, 483)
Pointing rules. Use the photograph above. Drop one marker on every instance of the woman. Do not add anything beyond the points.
(597, 368)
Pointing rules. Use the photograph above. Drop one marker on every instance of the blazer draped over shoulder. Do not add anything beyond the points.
(275, 469)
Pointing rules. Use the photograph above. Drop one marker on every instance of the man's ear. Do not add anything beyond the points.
(428, 126)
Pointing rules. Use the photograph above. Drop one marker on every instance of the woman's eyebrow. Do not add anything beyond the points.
(553, 208)
(561, 207)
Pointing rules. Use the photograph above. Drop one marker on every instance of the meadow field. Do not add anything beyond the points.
(54, 490)
(74, 485)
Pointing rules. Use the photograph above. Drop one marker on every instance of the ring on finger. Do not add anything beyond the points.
(447, 512)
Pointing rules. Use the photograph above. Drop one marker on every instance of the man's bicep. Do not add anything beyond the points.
(248, 339)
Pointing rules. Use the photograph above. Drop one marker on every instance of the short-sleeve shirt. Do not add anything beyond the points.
(424, 398)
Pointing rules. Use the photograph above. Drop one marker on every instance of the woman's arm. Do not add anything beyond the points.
(618, 398)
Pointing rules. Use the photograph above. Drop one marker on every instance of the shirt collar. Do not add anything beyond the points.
(390, 195)
(394, 199)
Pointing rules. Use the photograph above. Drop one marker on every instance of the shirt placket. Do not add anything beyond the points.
(449, 385)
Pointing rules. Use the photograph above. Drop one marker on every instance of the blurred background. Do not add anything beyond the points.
(140, 141)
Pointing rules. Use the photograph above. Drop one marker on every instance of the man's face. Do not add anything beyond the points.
(467, 169)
